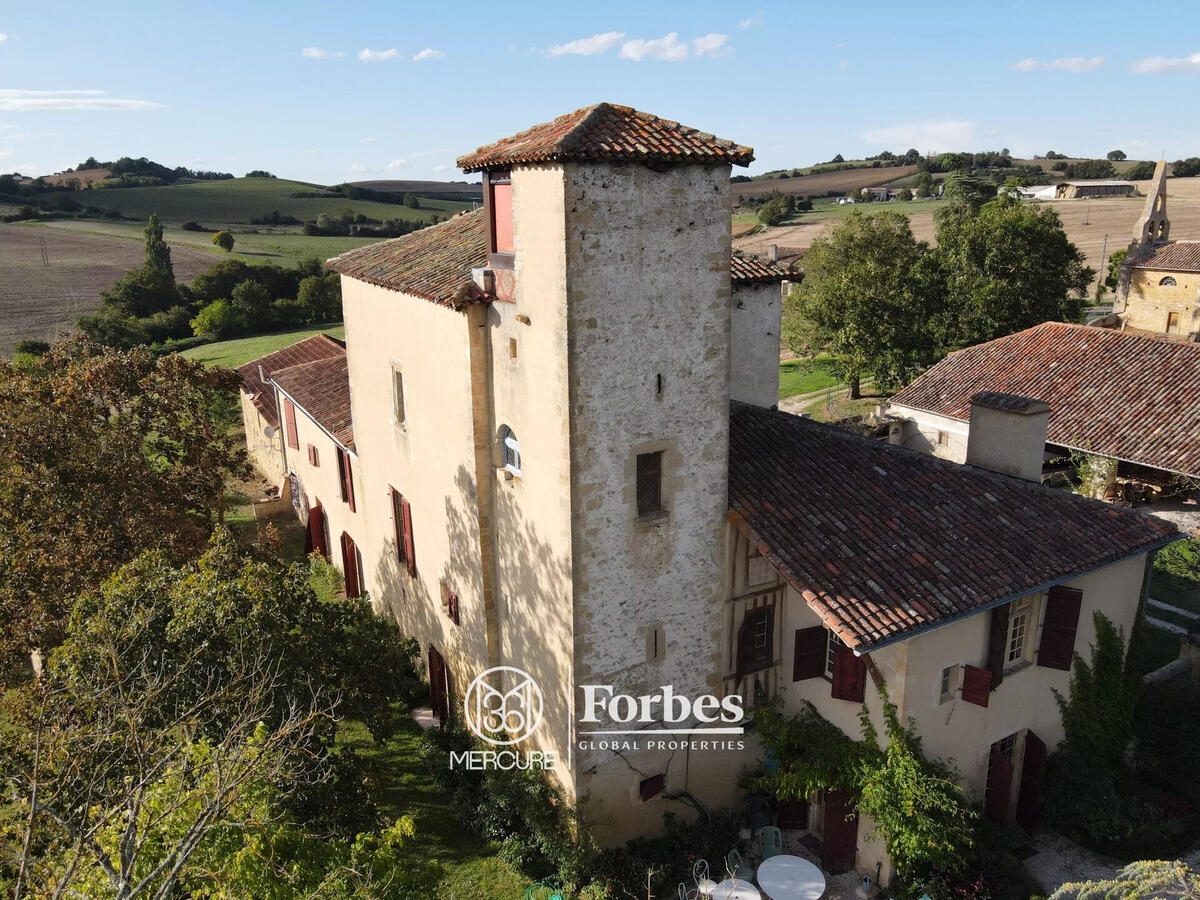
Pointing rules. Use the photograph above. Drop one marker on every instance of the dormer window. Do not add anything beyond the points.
(500, 207)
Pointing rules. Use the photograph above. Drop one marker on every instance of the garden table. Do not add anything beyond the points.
(736, 889)
(786, 877)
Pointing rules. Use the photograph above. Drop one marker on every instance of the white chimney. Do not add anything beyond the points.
(1008, 434)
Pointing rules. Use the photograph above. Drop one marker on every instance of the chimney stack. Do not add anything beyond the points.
(1008, 434)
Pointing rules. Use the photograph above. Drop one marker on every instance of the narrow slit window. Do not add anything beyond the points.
(397, 397)
(649, 483)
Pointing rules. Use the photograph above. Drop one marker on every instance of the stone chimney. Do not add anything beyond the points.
(1008, 434)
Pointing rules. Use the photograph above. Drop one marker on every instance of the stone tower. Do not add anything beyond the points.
(1153, 226)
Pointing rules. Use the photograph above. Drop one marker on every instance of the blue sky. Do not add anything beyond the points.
(329, 92)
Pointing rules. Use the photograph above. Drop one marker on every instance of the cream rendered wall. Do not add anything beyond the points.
(755, 312)
(321, 483)
(648, 294)
(1147, 303)
(963, 732)
(266, 453)
(921, 433)
(429, 460)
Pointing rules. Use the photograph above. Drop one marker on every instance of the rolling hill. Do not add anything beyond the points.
(821, 184)
(236, 201)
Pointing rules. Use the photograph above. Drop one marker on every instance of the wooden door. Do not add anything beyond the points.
(315, 538)
(1029, 797)
(439, 686)
(999, 787)
(840, 842)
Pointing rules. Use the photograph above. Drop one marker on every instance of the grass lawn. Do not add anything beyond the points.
(838, 408)
(238, 200)
(241, 350)
(473, 871)
(1176, 578)
(803, 376)
(828, 210)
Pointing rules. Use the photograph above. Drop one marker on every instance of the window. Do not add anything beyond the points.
(831, 652)
(397, 397)
(1167, 282)
(512, 348)
(649, 483)
(501, 203)
(403, 530)
(313, 458)
(756, 644)
(943, 438)
(345, 478)
(949, 684)
(509, 450)
(1172, 323)
(1020, 624)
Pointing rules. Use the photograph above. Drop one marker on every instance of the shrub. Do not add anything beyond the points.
(224, 240)
(1141, 171)
(773, 211)
(217, 320)
(33, 347)
(193, 226)
(1186, 168)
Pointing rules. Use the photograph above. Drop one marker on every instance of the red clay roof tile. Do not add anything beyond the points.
(750, 270)
(959, 539)
(1122, 395)
(607, 132)
(319, 346)
(1177, 256)
(322, 389)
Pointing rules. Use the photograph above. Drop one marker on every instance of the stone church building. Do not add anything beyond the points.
(550, 442)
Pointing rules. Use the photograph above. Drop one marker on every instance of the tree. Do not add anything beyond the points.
(224, 240)
(773, 211)
(871, 292)
(1091, 168)
(251, 303)
(1112, 279)
(1116, 155)
(412, 201)
(963, 196)
(905, 195)
(1142, 880)
(103, 454)
(1141, 171)
(320, 298)
(150, 288)
(1009, 267)
(1186, 168)
(217, 320)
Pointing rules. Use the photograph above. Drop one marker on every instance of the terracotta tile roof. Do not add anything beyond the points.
(319, 346)
(606, 131)
(749, 270)
(1178, 256)
(322, 389)
(434, 263)
(882, 541)
(1127, 396)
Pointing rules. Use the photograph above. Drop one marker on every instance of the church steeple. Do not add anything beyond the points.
(1153, 226)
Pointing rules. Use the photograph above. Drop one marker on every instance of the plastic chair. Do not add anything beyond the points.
(770, 841)
(685, 893)
(705, 886)
(539, 890)
(736, 866)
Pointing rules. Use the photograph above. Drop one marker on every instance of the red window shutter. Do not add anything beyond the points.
(1029, 797)
(1057, 648)
(452, 607)
(410, 557)
(502, 217)
(998, 644)
(999, 787)
(346, 477)
(289, 417)
(809, 658)
(315, 538)
(849, 675)
(351, 563)
(976, 685)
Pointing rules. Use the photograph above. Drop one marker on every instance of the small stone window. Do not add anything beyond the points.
(397, 396)
(1167, 282)
(510, 451)
(649, 483)
(949, 684)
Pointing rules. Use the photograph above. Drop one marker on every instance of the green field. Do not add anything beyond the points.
(238, 200)
(276, 246)
(240, 351)
(803, 376)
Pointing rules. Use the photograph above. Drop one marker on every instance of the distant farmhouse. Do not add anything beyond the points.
(1159, 286)
(550, 443)
(1080, 190)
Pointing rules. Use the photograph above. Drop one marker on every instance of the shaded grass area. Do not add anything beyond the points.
(802, 376)
(241, 350)
(1176, 578)
(402, 786)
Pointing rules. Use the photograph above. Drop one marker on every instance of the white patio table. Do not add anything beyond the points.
(786, 877)
(736, 889)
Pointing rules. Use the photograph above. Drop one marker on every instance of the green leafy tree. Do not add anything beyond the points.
(1142, 880)
(905, 195)
(320, 298)
(872, 293)
(412, 201)
(1186, 168)
(1009, 266)
(1113, 277)
(773, 211)
(150, 288)
(963, 196)
(1140, 171)
(1116, 155)
(251, 302)
(218, 320)
(1091, 168)
(224, 240)
(103, 454)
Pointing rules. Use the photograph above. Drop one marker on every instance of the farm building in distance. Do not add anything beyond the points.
(551, 446)
(1082, 190)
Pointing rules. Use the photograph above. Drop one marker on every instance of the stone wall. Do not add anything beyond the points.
(1147, 303)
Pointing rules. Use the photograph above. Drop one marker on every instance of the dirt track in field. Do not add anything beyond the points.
(37, 300)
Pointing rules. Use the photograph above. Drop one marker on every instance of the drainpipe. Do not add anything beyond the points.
(484, 428)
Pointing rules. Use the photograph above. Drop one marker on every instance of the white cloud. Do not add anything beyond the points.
(1063, 64)
(314, 53)
(368, 140)
(3, 37)
(753, 22)
(932, 136)
(397, 164)
(1161, 65)
(667, 48)
(367, 55)
(13, 100)
(357, 167)
(589, 46)
(428, 53)
(711, 45)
